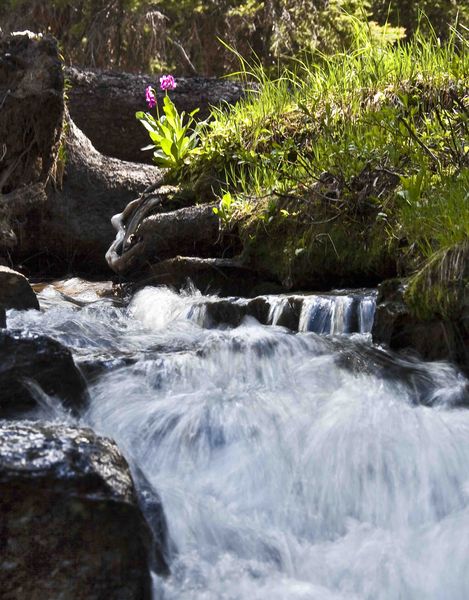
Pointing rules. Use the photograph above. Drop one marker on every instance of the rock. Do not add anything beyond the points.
(77, 226)
(71, 527)
(21, 219)
(224, 312)
(223, 276)
(15, 291)
(403, 369)
(3, 320)
(55, 208)
(259, 309)
(42, 361)
(434, 339)
(103, 104)
(31, 101)
(290, 313)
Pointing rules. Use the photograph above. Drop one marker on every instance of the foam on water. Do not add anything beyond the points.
(284, 475)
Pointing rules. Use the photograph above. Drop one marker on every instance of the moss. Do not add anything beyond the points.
(329, 252)
(440, 289)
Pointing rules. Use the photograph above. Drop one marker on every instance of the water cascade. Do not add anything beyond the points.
(289, 466)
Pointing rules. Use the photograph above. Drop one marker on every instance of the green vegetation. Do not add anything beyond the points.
(352, 164)
(172, 142)
(346, 162)
(441, 288)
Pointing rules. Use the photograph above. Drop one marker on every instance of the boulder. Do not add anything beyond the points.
(70, 525)
(223, 276)
(57, 192)
(28, 361)
(77, 224)
(15, 291)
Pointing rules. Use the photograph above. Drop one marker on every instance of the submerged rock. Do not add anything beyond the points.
(28, 361)
(71, 527)
(15, 291)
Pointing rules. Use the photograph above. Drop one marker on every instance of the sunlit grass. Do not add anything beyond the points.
(397, 112)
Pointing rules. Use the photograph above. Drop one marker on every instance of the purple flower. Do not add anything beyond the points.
(167, 82)
(150, 97)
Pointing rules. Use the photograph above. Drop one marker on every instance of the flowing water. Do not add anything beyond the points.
(290, 465)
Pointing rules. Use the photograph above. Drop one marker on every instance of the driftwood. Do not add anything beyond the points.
(147, 235)
(103, 105)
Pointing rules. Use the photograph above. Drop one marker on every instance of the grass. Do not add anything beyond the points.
(356, 163)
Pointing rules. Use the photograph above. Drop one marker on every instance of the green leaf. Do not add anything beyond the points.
(166, 146)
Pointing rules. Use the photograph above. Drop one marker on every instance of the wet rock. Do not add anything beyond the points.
(290, 313)
(224, 312)
(227, 277)
(15, 291)
(70, 524)
(28, 361)
(433, 339)
(259, 309)
(3, 321)
(406, 369)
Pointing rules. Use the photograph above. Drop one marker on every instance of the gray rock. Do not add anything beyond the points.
(70, 525)
(15, 291)
(26, 360)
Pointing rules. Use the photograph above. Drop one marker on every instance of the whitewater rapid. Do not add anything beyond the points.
(287, 471)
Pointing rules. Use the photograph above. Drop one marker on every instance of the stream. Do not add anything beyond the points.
(291, 465)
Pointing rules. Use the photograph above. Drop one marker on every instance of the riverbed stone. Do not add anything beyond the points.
(29, 361)
(15, 291)
(70, 524)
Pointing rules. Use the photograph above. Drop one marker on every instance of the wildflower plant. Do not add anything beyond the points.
(174, 137)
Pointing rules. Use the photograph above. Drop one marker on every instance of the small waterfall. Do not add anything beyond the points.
(277, 306)
(331, 314)
(338, 314)
(366, 313)
(299, 467)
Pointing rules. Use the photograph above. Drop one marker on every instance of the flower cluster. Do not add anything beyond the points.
(167, 82)
(150, 97)
(174, 136)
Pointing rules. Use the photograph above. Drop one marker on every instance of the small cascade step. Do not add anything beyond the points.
(328, 314)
